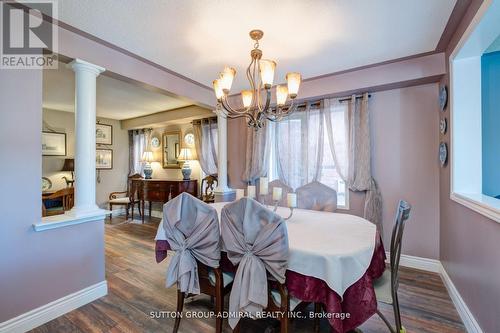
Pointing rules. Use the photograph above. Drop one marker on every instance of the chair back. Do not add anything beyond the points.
(285, 189)
(402, 214)
(317, 196)
(208, 185)
(67, 197)
(192, 230)
(133, 187)
(255, 239)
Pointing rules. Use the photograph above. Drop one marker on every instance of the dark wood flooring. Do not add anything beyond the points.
(137, 290)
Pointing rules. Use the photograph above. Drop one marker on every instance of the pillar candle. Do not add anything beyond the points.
(277, 192)
(251, 191)
(240, 193)
(292, 200)
(264, 186)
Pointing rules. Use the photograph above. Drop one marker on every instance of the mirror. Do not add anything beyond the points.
(171, 150)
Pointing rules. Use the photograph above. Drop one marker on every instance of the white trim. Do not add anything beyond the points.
(435, 266)
(480, 203)
(470, 323)
(52, 310)
(425, 264)
(67, 219)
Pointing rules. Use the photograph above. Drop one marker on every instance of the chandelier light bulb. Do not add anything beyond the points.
(281, 95)
(293, 81)
(267, 72)
(218, 89)
(226, 79)
(246, 97)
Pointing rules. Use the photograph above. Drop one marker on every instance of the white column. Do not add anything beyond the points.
(85, 120)
(222, 192)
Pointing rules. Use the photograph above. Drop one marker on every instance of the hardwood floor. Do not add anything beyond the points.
(137, 294)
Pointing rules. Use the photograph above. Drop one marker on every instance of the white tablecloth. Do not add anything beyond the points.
(336, 248)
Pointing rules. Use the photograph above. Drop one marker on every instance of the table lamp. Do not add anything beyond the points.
(147, 158)
(69, 166)
(185, 156)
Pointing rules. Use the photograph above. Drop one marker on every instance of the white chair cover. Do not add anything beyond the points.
(192, 231)
(255, 238)
(317, 196)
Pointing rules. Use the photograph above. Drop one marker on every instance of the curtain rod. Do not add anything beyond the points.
(317, 103)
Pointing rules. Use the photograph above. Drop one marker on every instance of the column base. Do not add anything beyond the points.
(224, 194)
(78, 212)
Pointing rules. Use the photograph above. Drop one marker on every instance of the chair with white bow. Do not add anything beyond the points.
(317, 196)
(192, 230)
(255, 239)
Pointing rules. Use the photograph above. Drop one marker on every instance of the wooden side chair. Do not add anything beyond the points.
(208, 185)
(65, 199)
(317, 196)
(386, 287)
(127, 198)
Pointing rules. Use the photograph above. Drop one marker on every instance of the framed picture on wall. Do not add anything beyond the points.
(53, 144)
(103, 134)
(104, 159)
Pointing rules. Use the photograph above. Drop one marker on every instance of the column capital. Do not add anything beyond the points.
(82, 65)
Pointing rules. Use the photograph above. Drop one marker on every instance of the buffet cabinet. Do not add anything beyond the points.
(160, 190)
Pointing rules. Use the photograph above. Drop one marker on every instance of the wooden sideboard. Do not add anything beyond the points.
(162, 190)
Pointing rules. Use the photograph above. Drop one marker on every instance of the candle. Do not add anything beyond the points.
(264, 186)
(240, 193)
(277, 191)
(251, 191)
(292, 200)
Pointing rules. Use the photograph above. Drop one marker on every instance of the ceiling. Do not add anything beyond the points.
(115, 99)
(196, 38)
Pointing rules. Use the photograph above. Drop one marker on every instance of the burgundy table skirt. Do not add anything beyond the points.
(358, 304)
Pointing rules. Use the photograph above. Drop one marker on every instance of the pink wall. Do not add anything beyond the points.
(470, 242)
(405, 137)
(35, 267)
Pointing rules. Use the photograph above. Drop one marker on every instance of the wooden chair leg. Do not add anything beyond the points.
(237, 328)
(219, 307)
(317, 309)
(180, 307)
(111, 210)
(132, 204)
(284, 324)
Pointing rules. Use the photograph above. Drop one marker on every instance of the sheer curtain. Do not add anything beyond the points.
(138, 140)
(257, 153)
(298, 147)
(353, 159)
(205, 141)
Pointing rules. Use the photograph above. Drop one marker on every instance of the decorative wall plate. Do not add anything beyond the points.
(443, 153)
(189, 139)
(46, 184)
(155, 142)
(443, 97)
(443, 125)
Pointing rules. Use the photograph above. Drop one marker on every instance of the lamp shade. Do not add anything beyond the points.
(69, 165)
(185, 154)
(147, 156)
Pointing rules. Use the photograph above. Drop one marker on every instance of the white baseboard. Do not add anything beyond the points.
(425, 264)
(52, 310)
(470, 323)
(435, 266)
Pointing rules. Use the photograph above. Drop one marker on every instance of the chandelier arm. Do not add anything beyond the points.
(229, 109)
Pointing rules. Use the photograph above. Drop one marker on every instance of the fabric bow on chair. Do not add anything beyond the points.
(256, 240)
(192, 230)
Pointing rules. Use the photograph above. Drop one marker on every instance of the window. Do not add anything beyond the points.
(300, 150)
(474, 82)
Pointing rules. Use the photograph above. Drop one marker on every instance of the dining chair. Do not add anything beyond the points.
(317, 196)
(127, 198)
(285, 189)
(255, 239)
(192, 230)
(64, 199)
(208, 185)
(386, 287)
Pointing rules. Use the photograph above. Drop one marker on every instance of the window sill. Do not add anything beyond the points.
(480, 203)
(67, 219)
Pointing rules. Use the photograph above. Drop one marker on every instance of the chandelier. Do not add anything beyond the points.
(257, 100)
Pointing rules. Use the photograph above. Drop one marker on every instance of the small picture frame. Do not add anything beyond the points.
(104, 134)
(53, 144)
(104, 159)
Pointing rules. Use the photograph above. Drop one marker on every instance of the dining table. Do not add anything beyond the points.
(333, 259)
